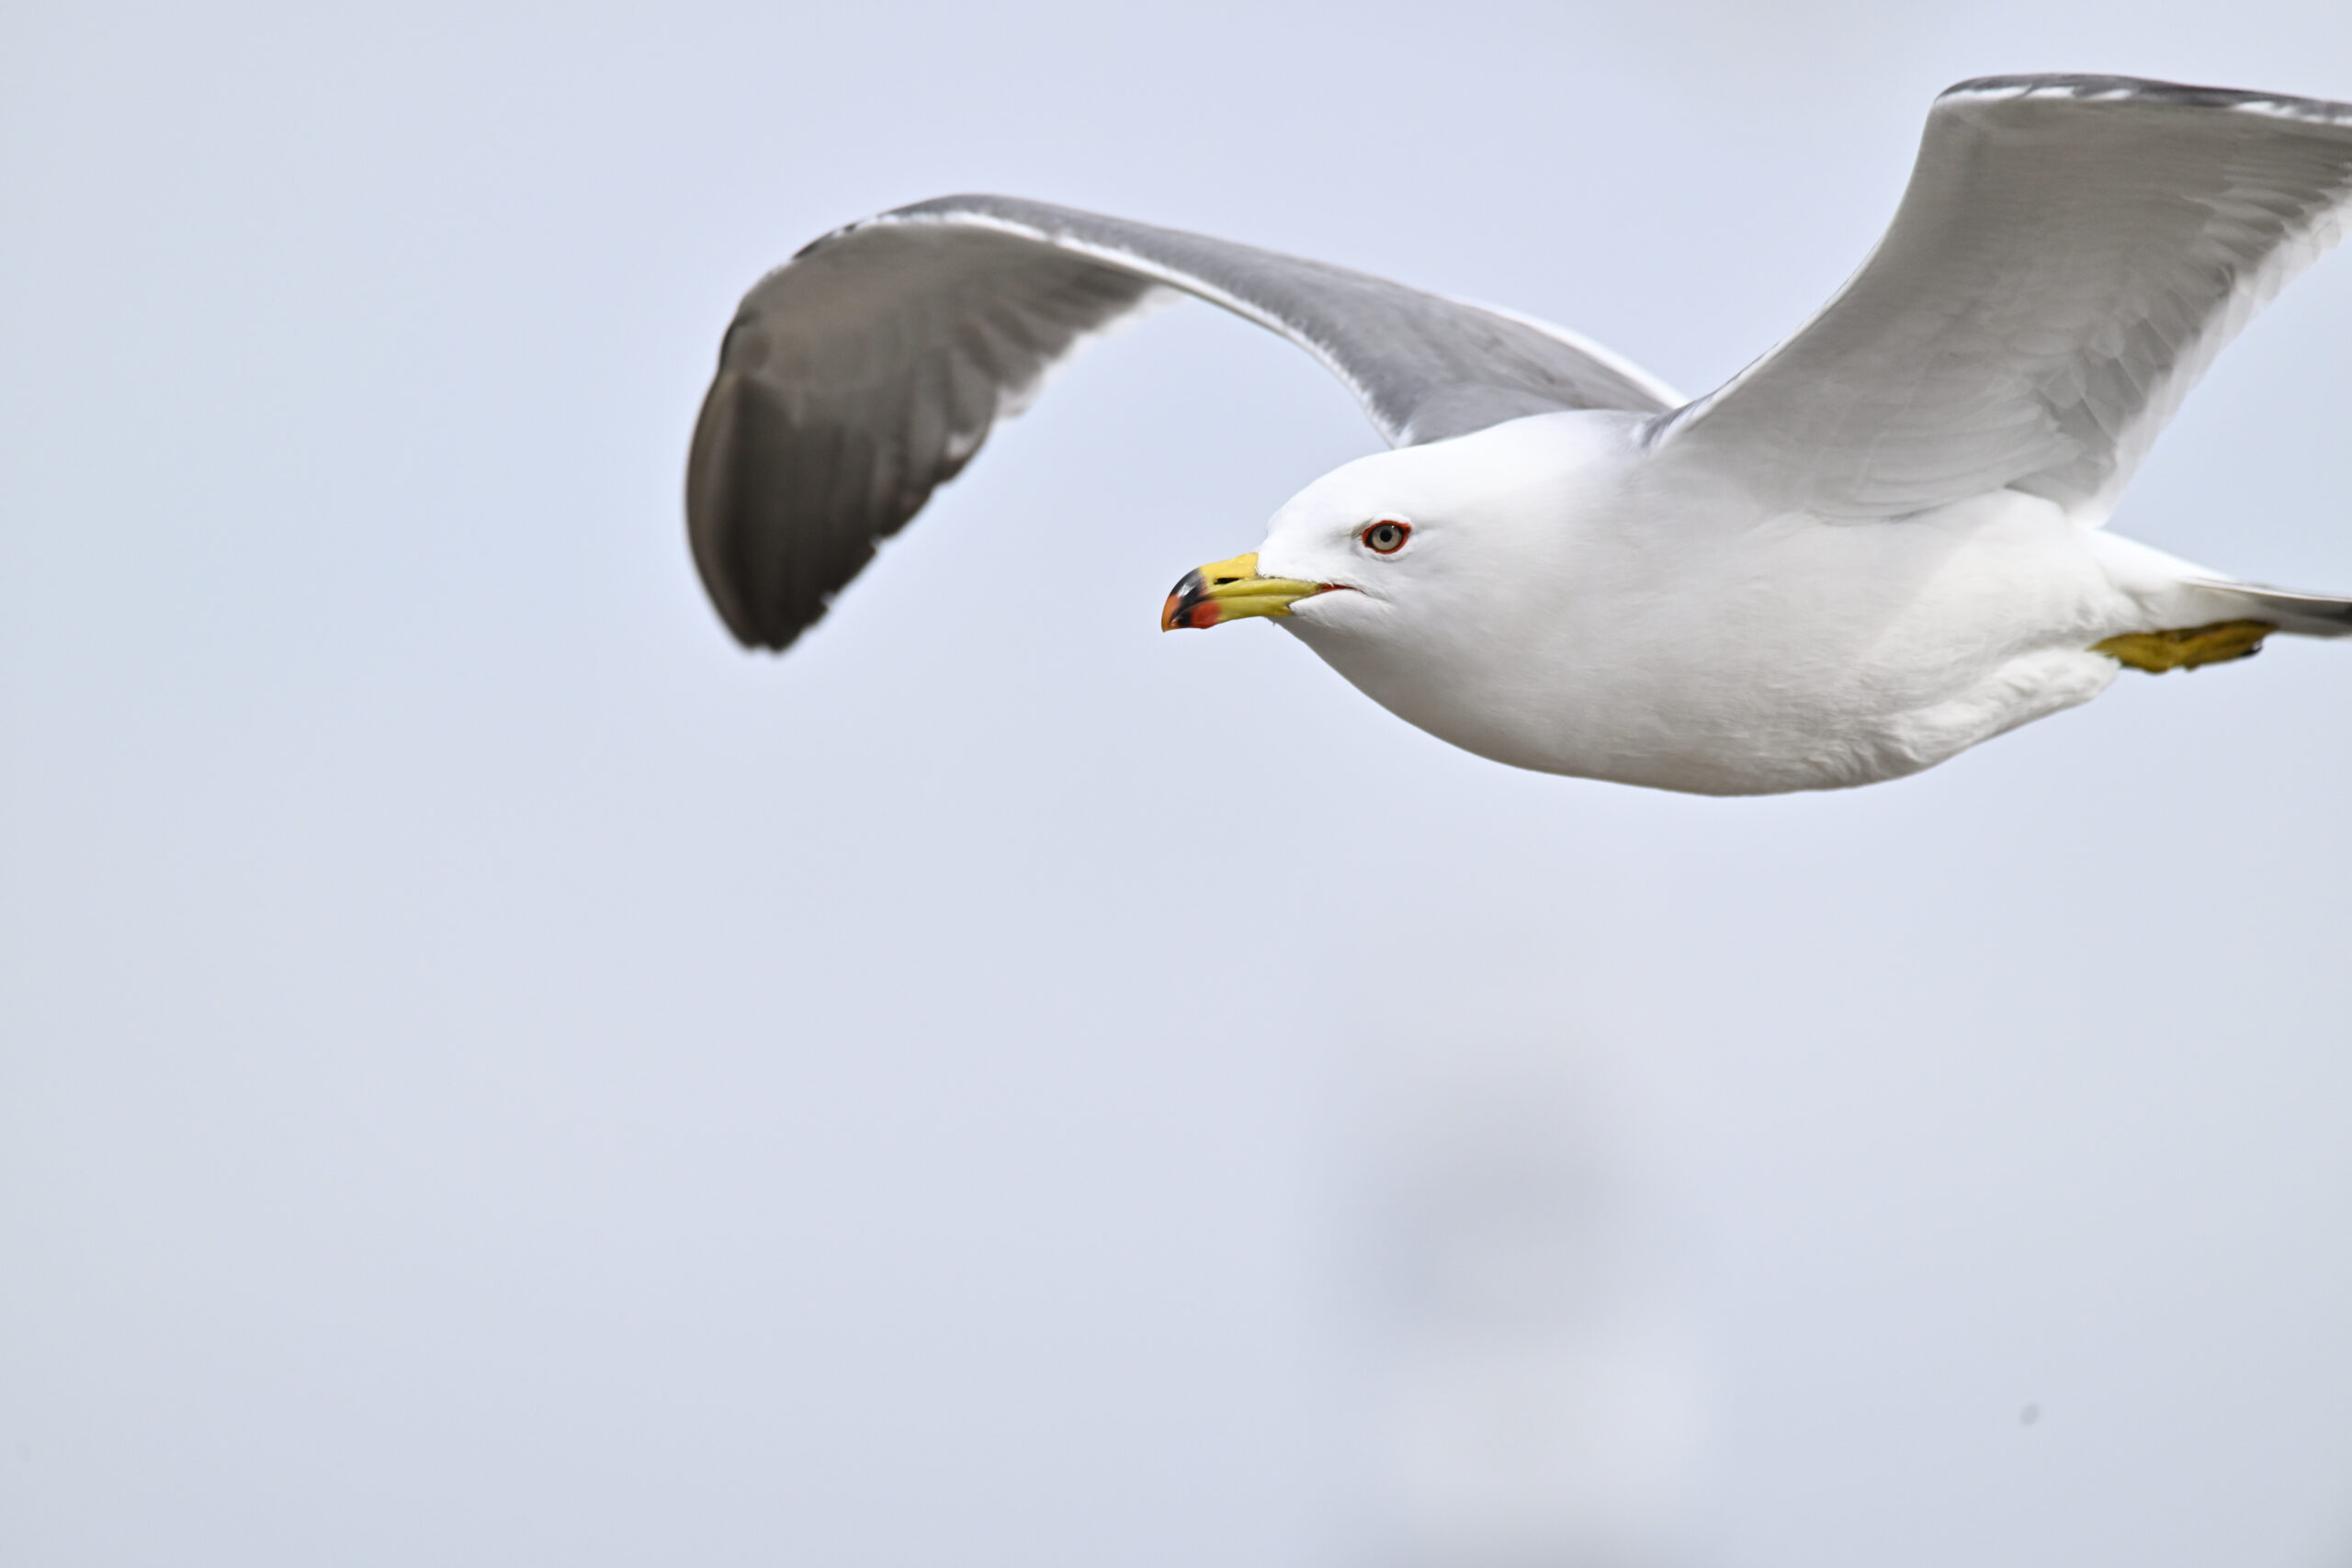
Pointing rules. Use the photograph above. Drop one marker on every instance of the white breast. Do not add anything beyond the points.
(1622, 629)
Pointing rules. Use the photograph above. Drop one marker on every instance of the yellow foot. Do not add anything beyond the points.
(2186, 649)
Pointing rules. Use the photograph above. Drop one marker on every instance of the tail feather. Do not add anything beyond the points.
(2306, 615)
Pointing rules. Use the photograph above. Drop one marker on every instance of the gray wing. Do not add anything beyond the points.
(2071, 253)
(864, 374)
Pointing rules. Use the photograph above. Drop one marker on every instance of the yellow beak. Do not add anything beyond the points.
(1228, 591)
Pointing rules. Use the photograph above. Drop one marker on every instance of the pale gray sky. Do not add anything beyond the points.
(490, 1074)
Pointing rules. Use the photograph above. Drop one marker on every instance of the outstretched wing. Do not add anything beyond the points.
(864, 374)
(2072, 252)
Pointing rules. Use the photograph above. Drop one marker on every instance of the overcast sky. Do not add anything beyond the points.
(490, 1074)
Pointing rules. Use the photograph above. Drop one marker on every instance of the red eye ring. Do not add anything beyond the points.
(1386, 536)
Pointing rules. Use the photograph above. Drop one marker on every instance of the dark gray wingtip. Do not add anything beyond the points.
(769, 574)
(722, 470)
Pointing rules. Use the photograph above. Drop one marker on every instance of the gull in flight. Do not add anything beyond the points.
(1877, 546)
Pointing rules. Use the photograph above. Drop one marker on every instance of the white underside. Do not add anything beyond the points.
(1600, 618)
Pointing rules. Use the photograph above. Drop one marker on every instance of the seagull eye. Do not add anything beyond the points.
(1386, 538)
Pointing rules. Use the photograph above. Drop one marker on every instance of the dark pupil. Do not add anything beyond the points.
(1385, 536)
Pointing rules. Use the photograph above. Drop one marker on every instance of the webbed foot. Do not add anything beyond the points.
(2156, 652)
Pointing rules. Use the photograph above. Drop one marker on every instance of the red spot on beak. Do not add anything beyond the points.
(1186, 608)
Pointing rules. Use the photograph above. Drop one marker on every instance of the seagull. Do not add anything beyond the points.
(1877, 546)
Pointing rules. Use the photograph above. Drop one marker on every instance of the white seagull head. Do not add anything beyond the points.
(1422, 574)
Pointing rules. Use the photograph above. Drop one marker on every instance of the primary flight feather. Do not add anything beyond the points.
(1876, 546)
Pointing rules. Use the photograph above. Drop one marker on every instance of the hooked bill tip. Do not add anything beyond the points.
(1177, 614)
(1187, 604)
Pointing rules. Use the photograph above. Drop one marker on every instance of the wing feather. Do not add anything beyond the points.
(865, 373)
(2071, 253)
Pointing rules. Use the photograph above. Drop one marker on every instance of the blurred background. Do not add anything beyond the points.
(492, 1073)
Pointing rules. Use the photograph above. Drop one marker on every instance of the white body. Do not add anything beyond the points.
(1876, 547)
(1570, 602)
